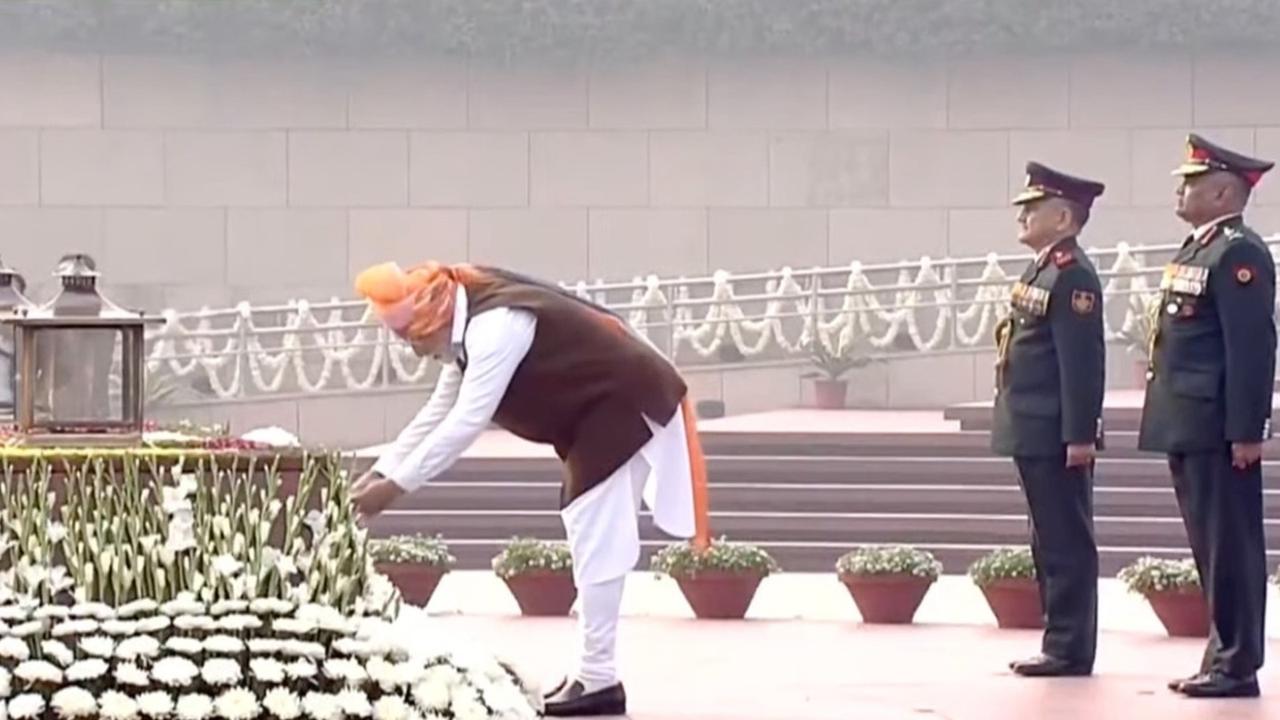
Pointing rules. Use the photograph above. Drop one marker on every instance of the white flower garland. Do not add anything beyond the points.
(929, 306)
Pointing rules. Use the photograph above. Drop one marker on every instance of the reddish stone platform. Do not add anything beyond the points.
(793, 670)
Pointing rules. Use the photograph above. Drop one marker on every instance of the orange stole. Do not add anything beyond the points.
(698, 475)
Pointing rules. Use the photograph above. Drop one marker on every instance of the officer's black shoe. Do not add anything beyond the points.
(1049, 666)
(1218, 685)
(574, 701)
(1177, 683)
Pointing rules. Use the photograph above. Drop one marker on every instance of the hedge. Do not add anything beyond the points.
(599, 29)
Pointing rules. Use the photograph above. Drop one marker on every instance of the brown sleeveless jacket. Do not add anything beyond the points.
(585, 383)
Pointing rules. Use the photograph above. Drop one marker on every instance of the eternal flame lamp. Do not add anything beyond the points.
(68, 350)
(12, 302)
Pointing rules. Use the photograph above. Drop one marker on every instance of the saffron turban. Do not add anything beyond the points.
(416, 303)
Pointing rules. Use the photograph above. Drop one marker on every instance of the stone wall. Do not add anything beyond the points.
(201, 181)
(212, 181)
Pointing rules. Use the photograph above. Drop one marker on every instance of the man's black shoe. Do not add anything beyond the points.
(1048, 666)
(574, 701)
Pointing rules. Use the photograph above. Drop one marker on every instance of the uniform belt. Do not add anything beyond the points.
(1154, 317)
(1003, 336)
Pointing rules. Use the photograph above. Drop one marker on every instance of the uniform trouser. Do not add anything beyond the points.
(1060, 500)
(1222, 511)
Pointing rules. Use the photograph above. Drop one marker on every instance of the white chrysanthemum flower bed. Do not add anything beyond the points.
(361, 674)
(211, 599)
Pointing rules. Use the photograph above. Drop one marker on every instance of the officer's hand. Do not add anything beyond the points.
(1245, 454)
(1079, 454)
(376, 495)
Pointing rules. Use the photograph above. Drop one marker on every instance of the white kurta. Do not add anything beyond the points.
(601, 525)
(462, 405)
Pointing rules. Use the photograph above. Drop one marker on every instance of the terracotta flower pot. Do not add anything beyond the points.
(416, 582)
(719, 595)
(543, 593)
(887, 599)
(1183, 613)
(830, 394)
(1015, 603)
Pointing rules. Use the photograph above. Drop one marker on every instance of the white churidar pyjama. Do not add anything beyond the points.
(602, 527)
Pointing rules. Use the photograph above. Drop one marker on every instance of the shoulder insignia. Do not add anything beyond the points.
(1232, 233)
(1063, 258)
(1244, 274)
(1082, 301)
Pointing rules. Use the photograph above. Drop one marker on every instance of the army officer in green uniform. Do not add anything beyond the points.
(1208, 405)
(1050, 370)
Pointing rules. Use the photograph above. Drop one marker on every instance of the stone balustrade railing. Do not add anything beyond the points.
(788, 315)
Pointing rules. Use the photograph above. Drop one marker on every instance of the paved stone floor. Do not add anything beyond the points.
(678, 669)
(803, 655)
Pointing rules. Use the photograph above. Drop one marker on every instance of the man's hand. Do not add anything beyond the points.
(364, 480)
(1245, 454)
(1079, 454)
(375, 496)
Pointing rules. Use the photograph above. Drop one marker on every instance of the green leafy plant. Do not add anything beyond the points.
(684, 560)
(1003, 564)
(890, 560)
(416, 549)
(1151, 575)
(830, 366)
(524, 555)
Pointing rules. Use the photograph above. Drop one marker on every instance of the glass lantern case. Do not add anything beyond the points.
(12, 303)
(80, 365)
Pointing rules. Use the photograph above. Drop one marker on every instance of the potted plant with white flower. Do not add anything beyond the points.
(1172, 588)
(415, 564)
(539, 575)
(1007, 579)
(888, 583)
(718, 581)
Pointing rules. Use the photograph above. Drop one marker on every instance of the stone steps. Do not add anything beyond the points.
(808, 497)
(768, 470)
(960, 443)
(524, 495)
(1123, 415)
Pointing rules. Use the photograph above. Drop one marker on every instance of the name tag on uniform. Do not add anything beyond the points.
(1185, 279)
(1030, 299)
